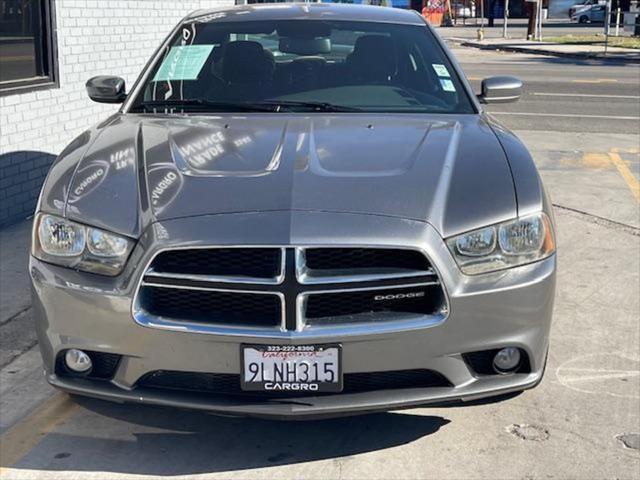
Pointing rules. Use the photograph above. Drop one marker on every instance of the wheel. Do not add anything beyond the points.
(584, 19)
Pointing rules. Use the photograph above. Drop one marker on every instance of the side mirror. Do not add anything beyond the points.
(104, 89)
(500, 90)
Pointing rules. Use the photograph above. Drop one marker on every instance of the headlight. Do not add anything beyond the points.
(509, 244)
(70, 244)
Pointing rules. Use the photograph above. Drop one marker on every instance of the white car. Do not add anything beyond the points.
(583, 5)
(591, 14)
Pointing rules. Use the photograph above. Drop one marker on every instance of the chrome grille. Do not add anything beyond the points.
(277, 290)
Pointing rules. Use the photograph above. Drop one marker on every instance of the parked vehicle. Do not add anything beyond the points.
(299, 210)
(583, 5)
(592, 14)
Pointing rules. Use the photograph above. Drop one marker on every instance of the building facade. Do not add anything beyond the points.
(48, 50)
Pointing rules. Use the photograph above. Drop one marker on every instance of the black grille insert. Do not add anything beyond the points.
(418, 300)
(263, 263)
(212, 307)
(365, 258)
(229, 384)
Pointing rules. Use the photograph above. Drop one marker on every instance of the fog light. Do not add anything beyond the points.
(77, 361)
(506, 360)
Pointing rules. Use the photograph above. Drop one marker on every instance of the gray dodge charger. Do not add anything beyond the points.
(298, 211)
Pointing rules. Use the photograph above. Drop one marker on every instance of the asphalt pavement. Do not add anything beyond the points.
(561, 94)
(581, 121)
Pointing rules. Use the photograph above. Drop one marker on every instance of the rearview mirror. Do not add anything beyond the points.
(500, 90)
(305, 46)
(105, 89)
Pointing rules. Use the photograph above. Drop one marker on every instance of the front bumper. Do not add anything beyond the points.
(508, 308)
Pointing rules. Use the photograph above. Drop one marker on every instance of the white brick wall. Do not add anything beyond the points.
(94, 37)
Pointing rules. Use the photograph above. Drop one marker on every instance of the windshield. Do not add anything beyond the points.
(303, 65)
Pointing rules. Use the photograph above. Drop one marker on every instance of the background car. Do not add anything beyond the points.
(583, 5)
(591, 14)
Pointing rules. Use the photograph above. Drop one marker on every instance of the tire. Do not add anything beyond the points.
(583, 19)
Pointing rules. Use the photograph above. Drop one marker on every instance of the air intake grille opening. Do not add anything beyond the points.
(262, 263)
(229, 384)
(372, 305)
(212, 307)
(365, 258)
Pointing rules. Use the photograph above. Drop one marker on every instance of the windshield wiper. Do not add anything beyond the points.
(258, 106)
(203, 104)
(312, 106)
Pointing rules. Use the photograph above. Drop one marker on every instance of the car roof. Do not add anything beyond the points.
(307, 11)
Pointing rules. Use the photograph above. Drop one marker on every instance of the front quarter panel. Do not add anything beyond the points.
(530, 194)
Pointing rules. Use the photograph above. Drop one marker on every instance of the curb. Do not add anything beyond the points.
(554, 53)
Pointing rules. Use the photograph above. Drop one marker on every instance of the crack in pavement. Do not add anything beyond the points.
(18, 353)
(597, 220)
(18, 336)
(15, 316)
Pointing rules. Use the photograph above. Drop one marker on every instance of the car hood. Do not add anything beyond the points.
(447, 170)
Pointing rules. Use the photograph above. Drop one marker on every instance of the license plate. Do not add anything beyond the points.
(291, 368)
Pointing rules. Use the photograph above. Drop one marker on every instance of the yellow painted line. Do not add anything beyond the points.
(625, 150)
(20, 439)
(628, 177)
(596, 160)
(474, 78)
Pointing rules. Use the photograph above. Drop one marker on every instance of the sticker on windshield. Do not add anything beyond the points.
(183, 63)
(441, 70)
(447, 85)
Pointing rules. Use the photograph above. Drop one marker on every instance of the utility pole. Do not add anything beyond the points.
(506, 16)
(532, 6)
(607, 18)
(481, 29)
(539, 25)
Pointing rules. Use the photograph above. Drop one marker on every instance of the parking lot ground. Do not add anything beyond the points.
(582, 422)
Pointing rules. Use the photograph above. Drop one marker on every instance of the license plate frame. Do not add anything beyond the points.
(292, 352)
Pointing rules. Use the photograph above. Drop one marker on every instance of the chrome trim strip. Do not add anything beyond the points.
(141, 317)
(305, 276)
(310, 333)
(277, 280)
(301, 323)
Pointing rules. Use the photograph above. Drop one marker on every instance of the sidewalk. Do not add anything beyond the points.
(629, 55)
(22, 386)
(17, 333)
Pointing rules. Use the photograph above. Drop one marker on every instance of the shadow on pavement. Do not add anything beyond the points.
(147, 440)
(614, 60)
